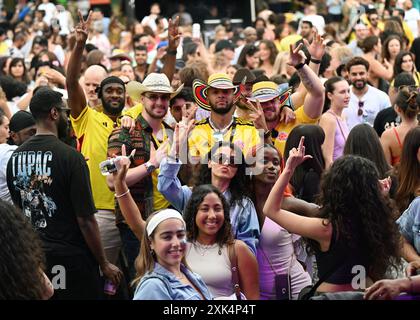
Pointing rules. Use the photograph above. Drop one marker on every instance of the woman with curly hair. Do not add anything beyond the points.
(409, 170)
(21, 258)
(355, 226)
(211, 245)
(224, 167)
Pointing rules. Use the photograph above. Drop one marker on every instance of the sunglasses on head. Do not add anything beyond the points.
(360, 110)
(224, 159)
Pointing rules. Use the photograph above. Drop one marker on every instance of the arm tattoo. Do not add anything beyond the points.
(304, 77)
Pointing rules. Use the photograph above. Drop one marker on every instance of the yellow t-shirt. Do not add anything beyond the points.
(92, 129)
(134, 111)
(159, 201)
(202, 137)
(284, 129)
(287, 41)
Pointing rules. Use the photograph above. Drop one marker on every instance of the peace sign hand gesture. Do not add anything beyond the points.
(173, 34)
(82, 28)
(297, 56)
(258, 117)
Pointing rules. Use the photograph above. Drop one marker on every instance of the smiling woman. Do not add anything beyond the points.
(162, 273)
(209, 231)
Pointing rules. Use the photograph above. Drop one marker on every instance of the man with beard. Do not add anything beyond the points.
(365, 100)
(218, 96)
(92, 129)
(306, 30)
(272, 99)
(49, 181)
(149, 139)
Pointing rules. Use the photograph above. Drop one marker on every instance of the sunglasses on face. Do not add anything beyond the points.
(155, 97)
(224, 159)
(360, 110)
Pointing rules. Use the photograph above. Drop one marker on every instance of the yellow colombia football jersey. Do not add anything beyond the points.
(92, 129)
(284, 129)
(242, 133)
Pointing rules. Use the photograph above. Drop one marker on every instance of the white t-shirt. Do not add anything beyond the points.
(317, 21)
(6, 151)
(412, 16)
(374, 101)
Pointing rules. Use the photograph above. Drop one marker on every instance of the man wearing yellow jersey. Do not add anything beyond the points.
(92, 129)
(267, 93)
(218, 96)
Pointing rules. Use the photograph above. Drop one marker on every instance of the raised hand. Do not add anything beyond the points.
(297, 156)
(123, 163)
(156, 156)
(82, 28)
(296, 56)
(257, 116)
(173, 34)
(317, 46)
(287, 115)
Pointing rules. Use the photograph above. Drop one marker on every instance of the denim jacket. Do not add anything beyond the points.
(409, 224)
(160, 284)
(243, 217)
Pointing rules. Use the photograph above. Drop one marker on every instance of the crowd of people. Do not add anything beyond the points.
(281, 161)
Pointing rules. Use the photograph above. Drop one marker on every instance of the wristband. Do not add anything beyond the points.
(299, 66)
(316, 61)
(172, 52)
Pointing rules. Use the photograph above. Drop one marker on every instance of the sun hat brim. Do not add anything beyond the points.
(135, 89)
(200, 92)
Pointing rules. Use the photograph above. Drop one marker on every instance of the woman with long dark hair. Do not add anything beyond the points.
(211, 242)
(355, 225)
(268, 54)
(277, 250)
(363, 141)
(249, 57)
(17, 70)
(225, 168)
(305, 181)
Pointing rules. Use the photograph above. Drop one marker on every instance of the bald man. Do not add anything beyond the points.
(90, 82)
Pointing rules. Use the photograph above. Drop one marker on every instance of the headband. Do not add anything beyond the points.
(162, 216)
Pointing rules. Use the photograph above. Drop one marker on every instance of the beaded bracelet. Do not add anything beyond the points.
(122, 194)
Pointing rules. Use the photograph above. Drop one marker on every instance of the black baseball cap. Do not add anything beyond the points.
(224, 44)
(21, 120)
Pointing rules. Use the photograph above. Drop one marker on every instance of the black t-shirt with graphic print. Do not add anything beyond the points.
(49, 181)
